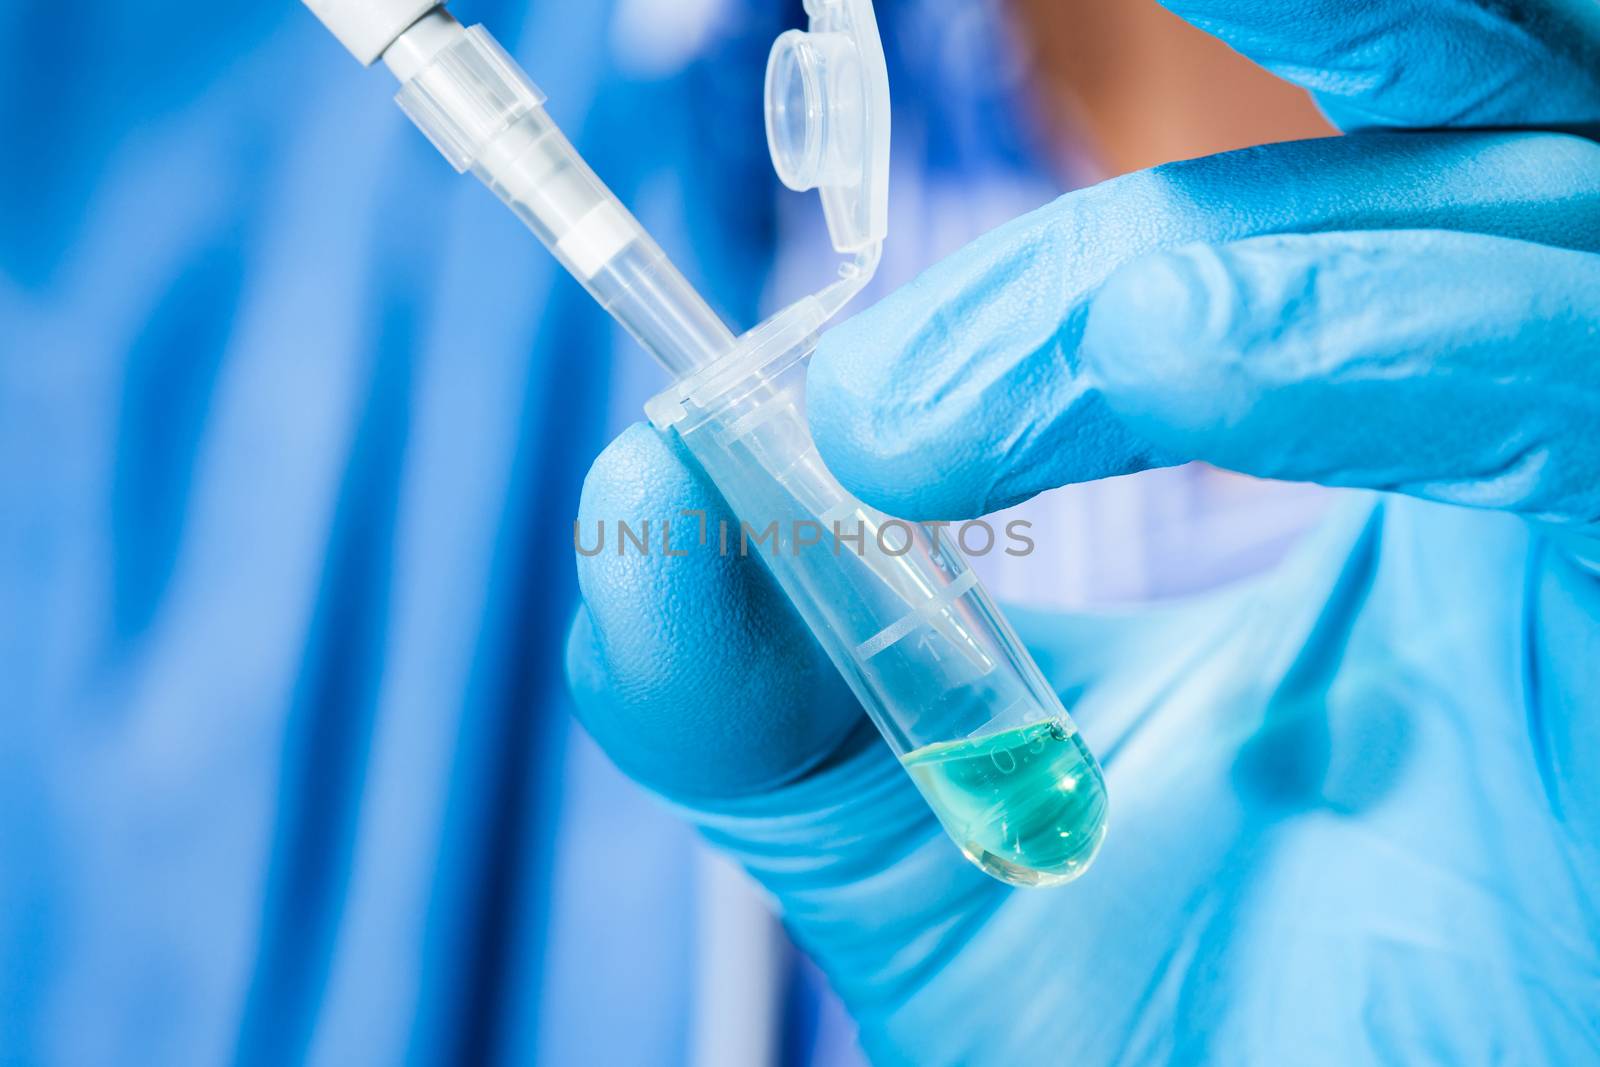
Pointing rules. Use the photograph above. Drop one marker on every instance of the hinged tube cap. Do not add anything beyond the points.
(828, 118)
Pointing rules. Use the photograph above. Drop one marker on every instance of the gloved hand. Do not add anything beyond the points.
(1355, 805)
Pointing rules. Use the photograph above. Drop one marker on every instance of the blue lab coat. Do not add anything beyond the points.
(292, 425)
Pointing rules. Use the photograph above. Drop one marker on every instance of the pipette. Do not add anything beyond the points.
(894, 604)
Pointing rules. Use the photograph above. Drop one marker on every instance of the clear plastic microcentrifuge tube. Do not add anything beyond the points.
(894, 604)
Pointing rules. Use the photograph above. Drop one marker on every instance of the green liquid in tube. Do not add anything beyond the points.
(1028, 804)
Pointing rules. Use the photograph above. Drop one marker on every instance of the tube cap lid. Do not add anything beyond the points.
(828, 118)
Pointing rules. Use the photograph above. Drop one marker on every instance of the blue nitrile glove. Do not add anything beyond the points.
(1356, 803)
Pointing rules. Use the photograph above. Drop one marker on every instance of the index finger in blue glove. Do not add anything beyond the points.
(963, 392)
(1455, 367)
(1424, 62)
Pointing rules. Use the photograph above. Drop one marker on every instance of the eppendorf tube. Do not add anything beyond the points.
(904, 618)
(895, 606)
